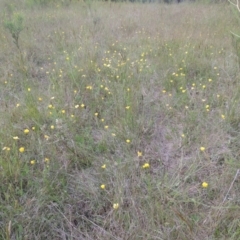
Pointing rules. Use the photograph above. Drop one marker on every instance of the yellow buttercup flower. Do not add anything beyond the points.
(146, 165)
(32, 162)
(26, 131)
(139, 154)
(128, 141)
(204, 184)
(6, 149)
(21, 149)
(115, 206)
(202, 149)
(103, 186)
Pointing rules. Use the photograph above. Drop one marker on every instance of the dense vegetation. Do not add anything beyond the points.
(119, 121)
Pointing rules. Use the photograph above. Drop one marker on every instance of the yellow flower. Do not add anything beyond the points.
(82, 105)
(146, 165)
(39, 99)
(127, 107)
(115, 206)
(202, 149)
(6, 149)
(21, 149)
(96, 114)
(52, 127)
(16, 138)
(139, 154)
(33, 128)
(46, 160)
(113, 134)
(103, 166)
(204, 184)
(106, 127)
(63, 111)
(223, 116)
(29, 89)
(102, 186)
(128, 141)
(50, 106)
(76, 106)
(46, 137)
(32, 162)
(26, 131)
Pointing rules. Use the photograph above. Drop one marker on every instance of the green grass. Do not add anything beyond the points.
(107, 88)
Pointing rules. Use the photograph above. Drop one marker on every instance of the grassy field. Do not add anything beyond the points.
(119, 121)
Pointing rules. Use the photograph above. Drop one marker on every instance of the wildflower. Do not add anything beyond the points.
(46, 160)
(139, 154)
(106, 127)
(63, 111)
(202, 149)
(102, 119)
(29, 89)
(16, 138)
(32, 162)
(223, 116)
(183, 136)
(18, 104)
(204, 184)
(146, 165)
(39, 99)
(113, 134)
(127, 107)
(96, 114)
(21, 149)
(26, 131)
(102, 186)
(103, 166)
(115, 206)
(50, 106)
(33, 128)
(52, 127)
(6, 149)
(128, 141)
(82, 105)
(76, 106)
(46, 137)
